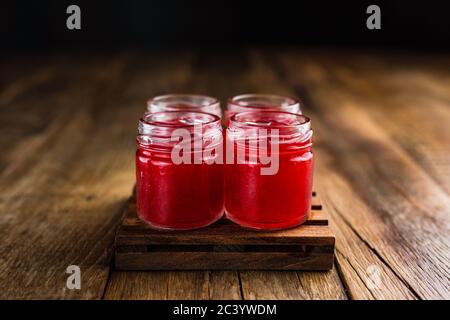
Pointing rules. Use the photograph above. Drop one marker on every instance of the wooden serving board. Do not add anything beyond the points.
(225, 246)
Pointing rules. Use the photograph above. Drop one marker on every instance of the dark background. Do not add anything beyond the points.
(42, 24)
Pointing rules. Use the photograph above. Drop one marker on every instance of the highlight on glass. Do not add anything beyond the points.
(184, 102)
(185, 195)
(281, 198)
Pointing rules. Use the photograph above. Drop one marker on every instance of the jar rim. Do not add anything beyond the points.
(157, 128)
(209, 101)
(305, 123)
(287, 128)
(237, 100)
(145, 121)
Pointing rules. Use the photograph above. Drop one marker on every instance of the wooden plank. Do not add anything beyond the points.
(406, 235)
(324, 285)
(225, 260)
(276, 285)
(271, 285)
(224, 285)
(316, 206)
(137, 286)
(156, 285)
(136, 233)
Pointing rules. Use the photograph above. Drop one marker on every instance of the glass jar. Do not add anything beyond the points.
(183, 102)
(278, 196)
(179, 185)
(254, 101)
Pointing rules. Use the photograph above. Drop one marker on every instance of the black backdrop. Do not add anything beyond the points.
(42, 24)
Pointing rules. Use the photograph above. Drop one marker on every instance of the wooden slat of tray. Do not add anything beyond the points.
(225, 245)
(224, 261)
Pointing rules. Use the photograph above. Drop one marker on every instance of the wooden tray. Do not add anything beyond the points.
(225, 246)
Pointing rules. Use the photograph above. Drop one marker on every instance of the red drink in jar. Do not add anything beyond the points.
(174, 195)
(278, 200)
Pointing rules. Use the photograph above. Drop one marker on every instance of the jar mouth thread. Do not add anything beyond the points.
(176, 119)
(183, 102)
(159, 130)
(264, 124)
(264, 101)
(270, 119)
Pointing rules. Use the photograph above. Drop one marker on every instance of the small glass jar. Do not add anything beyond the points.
(184, 102)
(254, 101)
(176, 195)
(280, 197)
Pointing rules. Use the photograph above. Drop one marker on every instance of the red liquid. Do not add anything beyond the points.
(270, 202)
(176, 196)
(184, 196)
(276, 201)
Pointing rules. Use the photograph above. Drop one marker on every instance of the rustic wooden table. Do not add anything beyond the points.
(382, 141)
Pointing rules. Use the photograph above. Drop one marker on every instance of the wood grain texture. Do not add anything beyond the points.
(401, 214)
(291, 285)
(65, 139)
(37, 191)
(68, 123)
(157, 285)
